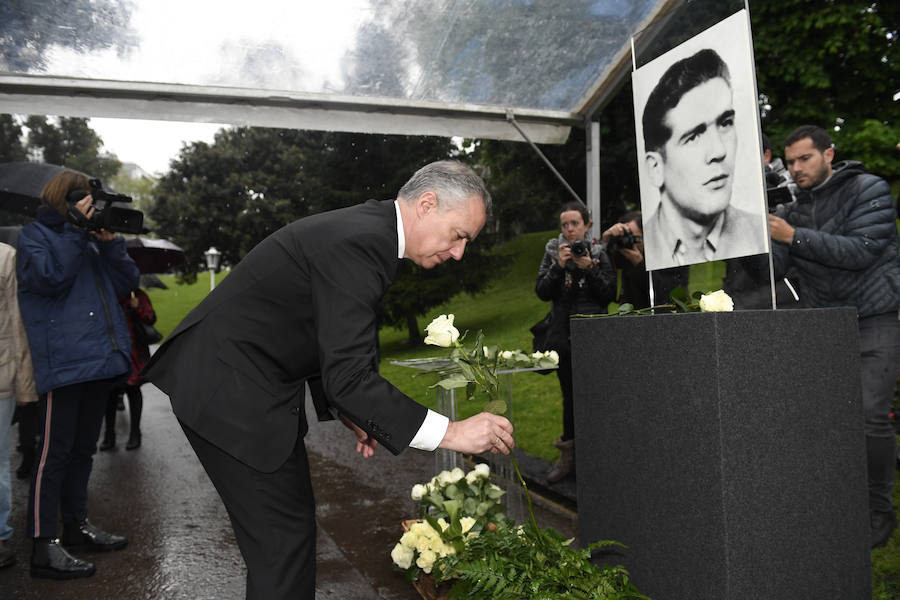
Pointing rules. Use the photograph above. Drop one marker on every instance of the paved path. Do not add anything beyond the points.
(180, 542)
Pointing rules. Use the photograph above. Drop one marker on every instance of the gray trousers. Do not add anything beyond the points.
(879, 345)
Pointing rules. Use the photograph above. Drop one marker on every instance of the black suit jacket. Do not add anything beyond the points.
(300, 306)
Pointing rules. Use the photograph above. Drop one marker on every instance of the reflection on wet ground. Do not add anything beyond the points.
(180, 542)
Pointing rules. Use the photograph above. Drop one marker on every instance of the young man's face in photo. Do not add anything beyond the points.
(698, 163)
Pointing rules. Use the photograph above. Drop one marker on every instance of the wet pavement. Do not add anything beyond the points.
(181, 546)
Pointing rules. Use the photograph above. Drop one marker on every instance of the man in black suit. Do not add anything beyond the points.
(690, 144)
(301, 308)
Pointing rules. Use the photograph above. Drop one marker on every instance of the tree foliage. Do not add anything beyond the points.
(252, 181)
(835, 64)
(70, 142)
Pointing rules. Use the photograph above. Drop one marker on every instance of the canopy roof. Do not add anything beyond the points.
(429, 67)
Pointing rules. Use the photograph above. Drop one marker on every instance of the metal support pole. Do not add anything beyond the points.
(512, 120)
(592, 163)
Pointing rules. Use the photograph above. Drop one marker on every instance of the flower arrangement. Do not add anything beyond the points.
(463, 543)
(453, 507)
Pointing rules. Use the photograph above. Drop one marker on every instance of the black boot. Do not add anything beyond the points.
(134, 440)
(50, 560)
(135, 408)
(84, 536)
(565, 464)
(109, 440)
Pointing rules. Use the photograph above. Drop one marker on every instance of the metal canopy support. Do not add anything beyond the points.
(592, 166)
(29, 94)
(512, 120)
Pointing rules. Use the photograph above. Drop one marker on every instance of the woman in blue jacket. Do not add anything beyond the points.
(69, 281)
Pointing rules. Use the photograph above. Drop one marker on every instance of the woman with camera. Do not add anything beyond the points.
(578, 278)
(69, 280)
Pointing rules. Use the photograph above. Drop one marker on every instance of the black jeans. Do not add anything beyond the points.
(879, 349)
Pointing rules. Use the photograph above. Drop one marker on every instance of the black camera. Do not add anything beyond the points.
(776, 196)
(626, 240)
(580, 247)
(110, 212)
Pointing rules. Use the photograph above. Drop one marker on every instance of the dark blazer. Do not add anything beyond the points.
(300, 306)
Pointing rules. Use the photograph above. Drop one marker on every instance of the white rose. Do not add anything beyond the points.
(409, 539)
(716, 302)
(426, 560)
(483, 470)
(506, 354)
(471, 477)
(441, 332)
(466, 523)
(444, 478)
(402, 556)
(553, 355)
(484, 349)
(456, 474)
(418, 492)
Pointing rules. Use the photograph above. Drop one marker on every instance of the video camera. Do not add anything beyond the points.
(109, 211)
(776, 196)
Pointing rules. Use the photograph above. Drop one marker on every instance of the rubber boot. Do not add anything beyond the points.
(565, 464)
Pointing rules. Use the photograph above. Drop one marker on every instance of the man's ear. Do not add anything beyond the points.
(654, 162)
(427, 202)
(829, 155)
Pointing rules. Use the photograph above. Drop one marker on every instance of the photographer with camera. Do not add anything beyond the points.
(70, 278)
(624, 243)
(578, 278)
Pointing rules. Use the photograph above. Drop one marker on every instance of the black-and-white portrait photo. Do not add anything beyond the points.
(699, 154)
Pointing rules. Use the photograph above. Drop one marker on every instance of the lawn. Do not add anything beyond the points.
(505, 311)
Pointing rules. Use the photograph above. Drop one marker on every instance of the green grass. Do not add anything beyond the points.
(504, 312)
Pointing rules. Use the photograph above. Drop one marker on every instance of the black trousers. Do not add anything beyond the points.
(273, 516)
(69, 420)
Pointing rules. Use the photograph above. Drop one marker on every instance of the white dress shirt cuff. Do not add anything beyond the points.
(431, 432)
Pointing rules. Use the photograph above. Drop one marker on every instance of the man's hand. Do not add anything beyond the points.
(365, 444)
(616, 231)
(780, 230)
(479, 434)
(632, 255)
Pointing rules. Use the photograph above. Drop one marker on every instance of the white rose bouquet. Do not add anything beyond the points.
(453, 507)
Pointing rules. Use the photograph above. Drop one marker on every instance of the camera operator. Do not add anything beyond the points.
(69, 281)
(577, 277)
(624, 242)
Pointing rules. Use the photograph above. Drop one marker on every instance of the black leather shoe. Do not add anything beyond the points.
(883, 525)
(84, 536)
(108, 444)
(50, 560)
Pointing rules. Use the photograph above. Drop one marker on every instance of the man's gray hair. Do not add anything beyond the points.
(452, 181)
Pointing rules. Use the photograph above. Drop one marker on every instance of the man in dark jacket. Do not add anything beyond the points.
(841, 235)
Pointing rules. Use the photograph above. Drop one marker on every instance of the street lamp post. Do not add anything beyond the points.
(213, 258)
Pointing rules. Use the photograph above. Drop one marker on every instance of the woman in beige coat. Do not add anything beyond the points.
(16, 384)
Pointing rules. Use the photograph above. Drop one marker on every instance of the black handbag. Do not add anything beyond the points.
(541, 332)
(146, 333)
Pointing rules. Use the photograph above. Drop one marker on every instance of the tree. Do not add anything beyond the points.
(836, 64)
(70, 142)
(252, 181)
(11, 147)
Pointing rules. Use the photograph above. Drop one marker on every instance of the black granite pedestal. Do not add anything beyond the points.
(727, 451)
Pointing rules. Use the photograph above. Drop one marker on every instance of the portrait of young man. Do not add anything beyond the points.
(700, 152)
